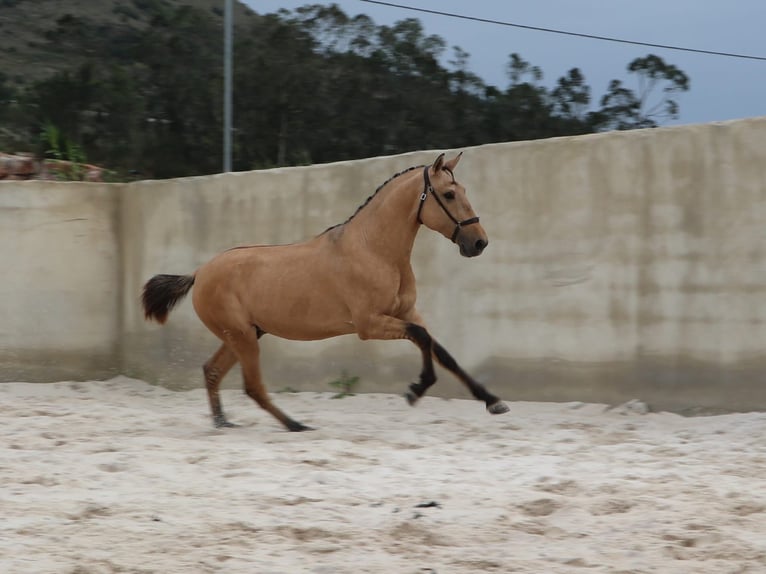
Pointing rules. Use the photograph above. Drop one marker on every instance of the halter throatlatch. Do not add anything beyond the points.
(428, 188)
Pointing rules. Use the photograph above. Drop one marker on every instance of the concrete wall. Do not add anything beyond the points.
(620, 265)
(61, 281)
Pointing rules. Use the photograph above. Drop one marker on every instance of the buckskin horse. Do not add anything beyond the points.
(354, 277)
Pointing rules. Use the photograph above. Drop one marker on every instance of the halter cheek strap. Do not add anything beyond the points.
(428, 188)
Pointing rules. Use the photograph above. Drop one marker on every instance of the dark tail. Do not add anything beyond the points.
(162, 292)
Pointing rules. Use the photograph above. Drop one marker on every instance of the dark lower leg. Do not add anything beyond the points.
(419, 335)
(256, 391)
(494, 404)
(261, 397)
(215, 370)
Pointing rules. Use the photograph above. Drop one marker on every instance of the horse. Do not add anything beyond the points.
(353, 278)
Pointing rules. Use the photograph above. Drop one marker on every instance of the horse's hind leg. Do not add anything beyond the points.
(215, 370)
(248, 353)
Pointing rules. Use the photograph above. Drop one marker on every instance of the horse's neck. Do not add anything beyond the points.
(387, 226)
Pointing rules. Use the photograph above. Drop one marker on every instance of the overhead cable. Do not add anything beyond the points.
(564, 32)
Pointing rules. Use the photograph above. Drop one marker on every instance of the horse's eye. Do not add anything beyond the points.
(449, 195)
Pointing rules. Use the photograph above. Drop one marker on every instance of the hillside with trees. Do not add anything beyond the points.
(136, 86)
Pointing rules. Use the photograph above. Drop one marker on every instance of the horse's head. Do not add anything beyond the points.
(444, 207)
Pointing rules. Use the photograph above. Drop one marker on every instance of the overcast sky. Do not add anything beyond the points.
(721, 88)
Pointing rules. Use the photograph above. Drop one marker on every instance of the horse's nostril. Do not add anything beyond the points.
(481, 244)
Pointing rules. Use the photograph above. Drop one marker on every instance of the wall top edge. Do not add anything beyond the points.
(411, 154)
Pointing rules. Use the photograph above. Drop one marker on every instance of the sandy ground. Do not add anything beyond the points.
(121, 476)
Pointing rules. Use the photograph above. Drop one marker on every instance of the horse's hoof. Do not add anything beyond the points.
(497, 408)
(224, 424)
(411, 397)
(295, 426)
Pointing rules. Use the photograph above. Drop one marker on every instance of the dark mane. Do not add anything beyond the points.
(366, 201)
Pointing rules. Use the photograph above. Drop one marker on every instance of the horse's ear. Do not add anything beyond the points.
(438, 164)
(450, 165)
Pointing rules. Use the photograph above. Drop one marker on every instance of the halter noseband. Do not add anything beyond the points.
(427, 187)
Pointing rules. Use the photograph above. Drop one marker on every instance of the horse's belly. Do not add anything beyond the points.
(311, 332)
(306, 316)
(299, 322)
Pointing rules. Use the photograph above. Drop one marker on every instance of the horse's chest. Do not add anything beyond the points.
(404, 301)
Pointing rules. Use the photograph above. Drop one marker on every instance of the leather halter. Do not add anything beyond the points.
(428, 188)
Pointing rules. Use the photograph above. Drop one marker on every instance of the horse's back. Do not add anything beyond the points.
(289, 291)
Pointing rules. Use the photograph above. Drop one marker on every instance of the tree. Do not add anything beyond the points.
(652, 72)
(7, 97)
(181, 75)
(518, 68)
(571, 96)
(13, 118)
(277, 94)
(466, 106)
(621, 108)
(144, 92)
(523, 111)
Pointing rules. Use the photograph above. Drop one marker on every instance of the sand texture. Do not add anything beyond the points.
(123, 477)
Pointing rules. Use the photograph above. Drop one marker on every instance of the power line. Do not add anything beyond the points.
(565, 33)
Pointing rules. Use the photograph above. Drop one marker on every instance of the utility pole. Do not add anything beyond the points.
(227, 74)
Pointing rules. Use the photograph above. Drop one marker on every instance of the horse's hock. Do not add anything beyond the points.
(621, 265)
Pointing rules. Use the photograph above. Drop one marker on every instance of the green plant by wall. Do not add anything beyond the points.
(61, 148)
(345, 385)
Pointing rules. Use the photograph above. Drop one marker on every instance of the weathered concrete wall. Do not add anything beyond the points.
(61, 281)
(620, 265)
(634, 264)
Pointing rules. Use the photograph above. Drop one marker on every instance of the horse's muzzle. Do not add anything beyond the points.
(470, 247)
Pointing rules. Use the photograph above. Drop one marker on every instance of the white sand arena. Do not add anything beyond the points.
(121, 476)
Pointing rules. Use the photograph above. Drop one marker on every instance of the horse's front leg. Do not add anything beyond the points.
(494, 405)
(422, 338)
(387, 327)
(430, 348)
